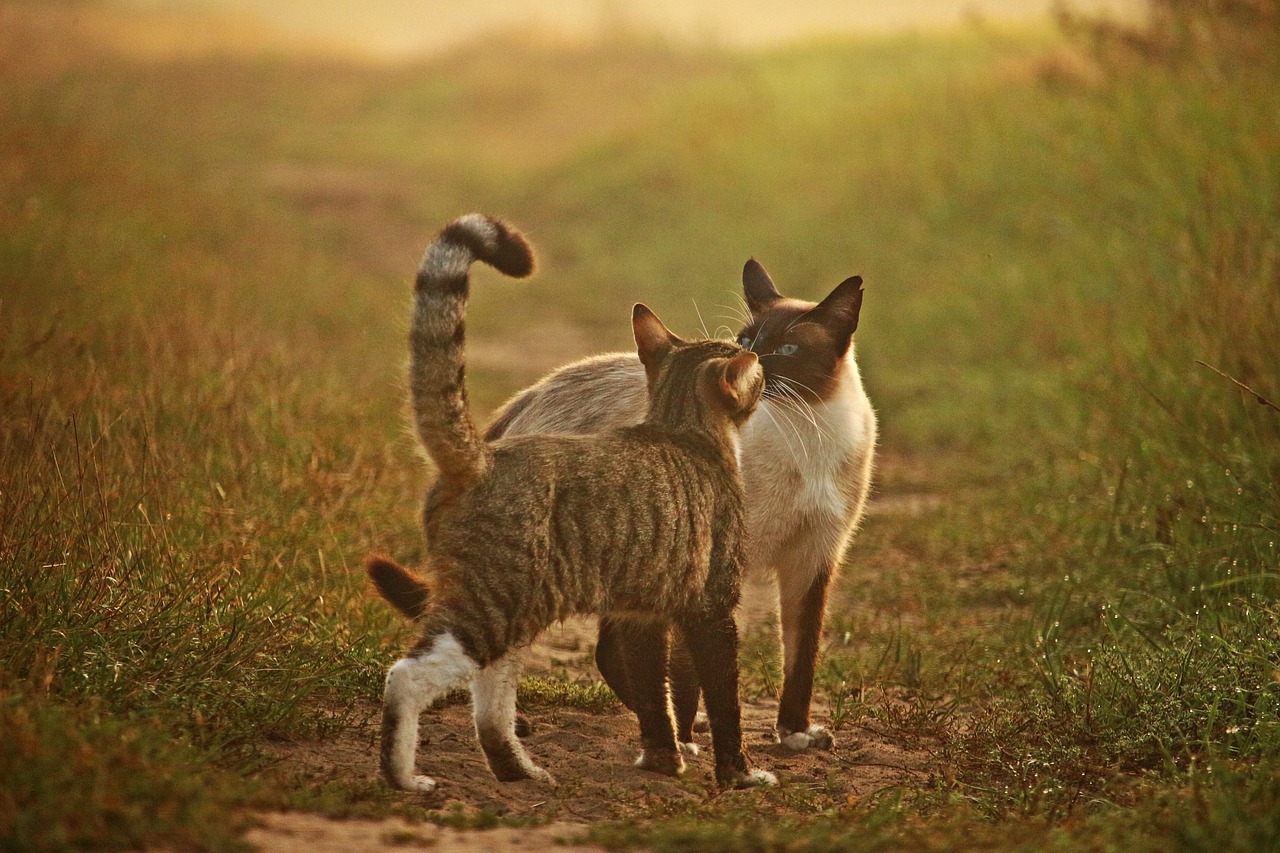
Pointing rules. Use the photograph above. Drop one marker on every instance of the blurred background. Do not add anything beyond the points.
(1068, 223)
(400, 28)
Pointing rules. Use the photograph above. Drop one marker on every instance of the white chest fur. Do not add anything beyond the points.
(806, 472)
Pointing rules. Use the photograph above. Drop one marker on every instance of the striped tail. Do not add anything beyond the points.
(437, 361)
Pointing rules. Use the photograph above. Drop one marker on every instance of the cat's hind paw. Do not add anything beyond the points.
(537, 774)
(418, 784)
(756, 778)
(689, 749)
(815, 737)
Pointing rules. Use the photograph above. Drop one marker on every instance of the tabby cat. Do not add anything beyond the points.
(806, 463)
(644, 523)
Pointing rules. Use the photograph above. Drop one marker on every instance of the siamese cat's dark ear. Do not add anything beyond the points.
(838, 313)
(758, 287)
(653, 340)
(740, 378)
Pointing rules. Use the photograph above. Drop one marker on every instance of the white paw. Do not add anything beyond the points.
(539, 775)
(815, 736)
(421, 784)
(756, 779)
(689, 749)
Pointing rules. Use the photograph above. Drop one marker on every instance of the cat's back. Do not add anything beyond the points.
(632, 466)
(588, 396)
(626, 516)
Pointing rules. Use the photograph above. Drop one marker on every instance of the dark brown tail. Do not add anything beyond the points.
(404, 590)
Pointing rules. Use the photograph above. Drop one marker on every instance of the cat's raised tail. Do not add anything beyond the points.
(402, 589)
(437, 359)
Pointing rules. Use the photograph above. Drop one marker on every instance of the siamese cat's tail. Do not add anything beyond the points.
(404, 590)
(437, 358)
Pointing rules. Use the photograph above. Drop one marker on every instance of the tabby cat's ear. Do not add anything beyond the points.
(740, 379)
(653, 340)
(838, 313)
(758, 287)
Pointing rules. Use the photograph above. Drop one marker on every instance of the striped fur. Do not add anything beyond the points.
(437, 361)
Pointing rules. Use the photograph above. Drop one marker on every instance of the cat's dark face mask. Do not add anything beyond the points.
(801, 344)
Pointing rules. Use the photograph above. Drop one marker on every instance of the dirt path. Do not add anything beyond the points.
(589, 754)
(303, 833)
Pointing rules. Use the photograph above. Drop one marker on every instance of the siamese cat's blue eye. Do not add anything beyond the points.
(744, 341)
(787, 349)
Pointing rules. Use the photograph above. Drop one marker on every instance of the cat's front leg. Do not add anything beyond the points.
(645, 649)
(713, 645)
(802, 594)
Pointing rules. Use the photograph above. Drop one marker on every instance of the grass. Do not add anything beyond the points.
(1071, 255)
(83, 778)
(563, 692)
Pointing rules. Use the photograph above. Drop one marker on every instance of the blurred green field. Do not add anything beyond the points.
(204, 269)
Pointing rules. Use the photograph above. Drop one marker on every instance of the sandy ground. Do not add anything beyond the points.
(300, 833)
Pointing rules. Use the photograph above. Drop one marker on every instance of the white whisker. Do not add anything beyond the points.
(701, 321)
(799, 439)
(738, 315)
(796, 324)
(793, 399)
(797, 406)
(802, 385)
(760, 333)
(789, 401)
(804, 408)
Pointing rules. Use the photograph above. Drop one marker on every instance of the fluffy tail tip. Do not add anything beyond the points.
(493, 241)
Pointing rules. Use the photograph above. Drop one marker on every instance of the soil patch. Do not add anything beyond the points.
(303, 833)
(589, 754)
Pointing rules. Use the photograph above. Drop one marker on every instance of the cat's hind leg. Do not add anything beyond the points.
(624, 658)
(429, 672)
(493, 695)
(611, 657)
